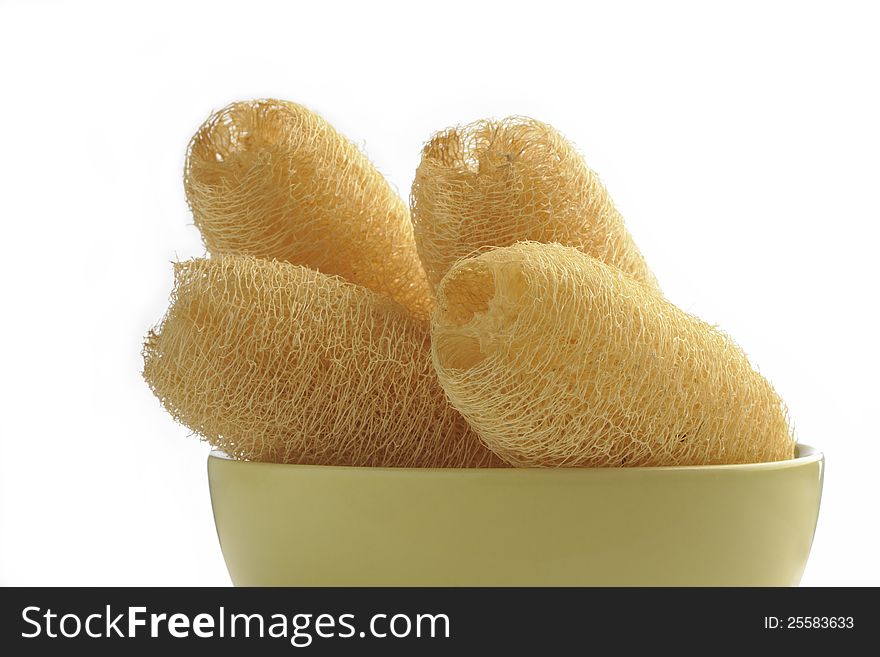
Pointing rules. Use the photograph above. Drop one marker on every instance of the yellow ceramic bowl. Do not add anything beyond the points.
(736, 525)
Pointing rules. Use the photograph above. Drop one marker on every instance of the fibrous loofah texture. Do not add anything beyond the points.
(557, 359)
(495, 183)
(273, 179)
(271, 361)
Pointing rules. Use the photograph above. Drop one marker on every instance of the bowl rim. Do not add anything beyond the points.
(805, 454)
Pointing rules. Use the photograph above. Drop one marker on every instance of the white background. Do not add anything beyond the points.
(742, 144)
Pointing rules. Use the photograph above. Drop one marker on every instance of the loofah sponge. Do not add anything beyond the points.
(496, 183)
(271, 361)
(557, 359)
(273, 179)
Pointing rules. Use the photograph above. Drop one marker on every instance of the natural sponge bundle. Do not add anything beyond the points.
(495, 183)
(273, 179)
(557, 359)
(271, 361)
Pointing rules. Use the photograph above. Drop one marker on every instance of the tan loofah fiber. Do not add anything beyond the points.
(273, 179)
(557, 359)
(271, 361)
(495, 183)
